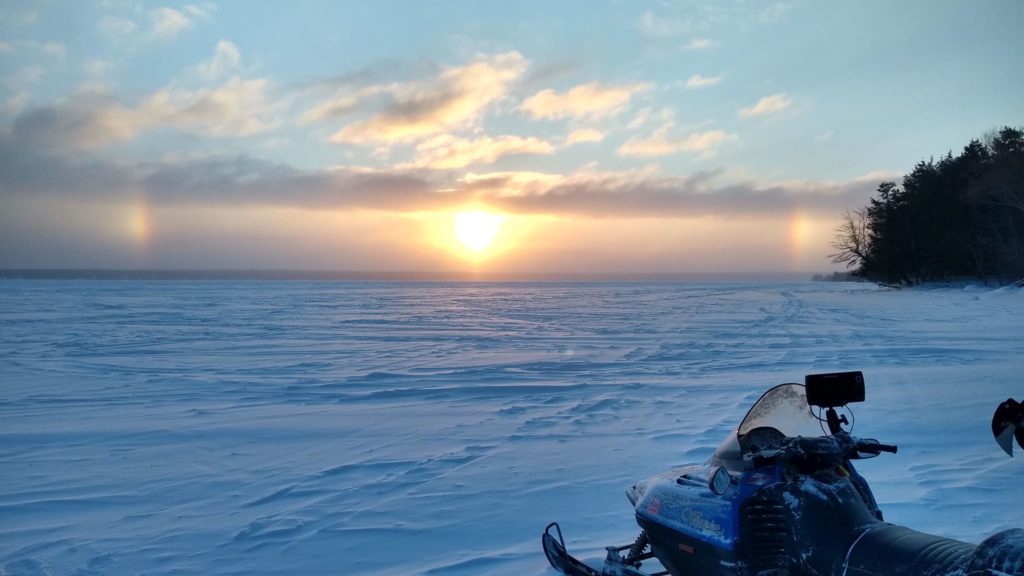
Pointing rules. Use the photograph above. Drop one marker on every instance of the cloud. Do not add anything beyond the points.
(676, 18)
(514, 184)
(589, 101)
(775, 12)
(166, 23)
(55, 49)
(698, 81)
(584, 135)
(342, 104)
(216, 181)
(14, 104)
(661, 143)
(647, 194)
(12, 16)
(445, 152)
(767, 105)
(24, 77)
(550, 71)
(246, 181)
(642, 117)
(657, 26)
(28, 171)
(454, 100)
(700, 44)
(202, 12)
(97, 68)
(94, 118)
(86, 120)
(225, 61)
(238, 107)
(52, 49)
(115, 26)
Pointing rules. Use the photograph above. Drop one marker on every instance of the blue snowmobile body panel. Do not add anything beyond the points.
(680, 512)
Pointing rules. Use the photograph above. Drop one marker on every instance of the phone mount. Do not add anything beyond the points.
(834, 390)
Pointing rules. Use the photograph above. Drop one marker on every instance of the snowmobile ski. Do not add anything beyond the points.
(614, 565)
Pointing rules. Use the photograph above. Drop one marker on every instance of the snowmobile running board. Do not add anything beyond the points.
(614, 563)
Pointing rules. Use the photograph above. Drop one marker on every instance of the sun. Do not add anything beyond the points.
(476, 230)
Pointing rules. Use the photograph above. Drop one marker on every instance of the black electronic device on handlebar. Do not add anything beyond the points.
(832, 390)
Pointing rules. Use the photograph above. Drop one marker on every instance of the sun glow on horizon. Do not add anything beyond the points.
(476, 230)
(140, 224)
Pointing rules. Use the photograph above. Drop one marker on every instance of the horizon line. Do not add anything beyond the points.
(385, 275)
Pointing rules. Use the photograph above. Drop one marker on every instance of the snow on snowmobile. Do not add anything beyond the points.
(781, 497)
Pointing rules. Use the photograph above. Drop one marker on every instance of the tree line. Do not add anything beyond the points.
(956, 218)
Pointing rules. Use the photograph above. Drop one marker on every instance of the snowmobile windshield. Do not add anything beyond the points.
(783, 408)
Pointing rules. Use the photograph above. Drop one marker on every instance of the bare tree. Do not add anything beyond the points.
(851, 243)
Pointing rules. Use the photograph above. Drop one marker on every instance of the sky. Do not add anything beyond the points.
(506, 137)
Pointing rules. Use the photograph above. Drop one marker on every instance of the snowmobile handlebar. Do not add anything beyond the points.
(825, 450)
(875, 447)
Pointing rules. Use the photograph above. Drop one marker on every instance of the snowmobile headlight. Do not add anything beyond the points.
(719, 480)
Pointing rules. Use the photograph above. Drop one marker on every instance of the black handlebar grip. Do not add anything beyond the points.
(891, 448)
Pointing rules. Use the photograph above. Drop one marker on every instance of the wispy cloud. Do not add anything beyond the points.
(698, 81)
(700, 44)
(14, 104)
(200, 12)
(343, 104)
(593, 100)
(414, 110)
(775, 12)
(96, 69)
(675, 18)
(643, 193)
(116, 26)
(654, 25)
(584, 135)
(445, 152)
(164, 23)
(662, 142)
(52, 49)
(23, 78)
(13, 16)
(243, 181)
(224, 62)
(642, 117)
(95, 118)
(55, 49)
(767, 105)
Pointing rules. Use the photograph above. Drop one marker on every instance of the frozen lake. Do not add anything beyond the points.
(374, 428)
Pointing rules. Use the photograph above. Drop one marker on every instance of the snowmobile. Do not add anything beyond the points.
(781, 497)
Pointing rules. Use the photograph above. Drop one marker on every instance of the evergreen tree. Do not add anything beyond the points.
(962, 216)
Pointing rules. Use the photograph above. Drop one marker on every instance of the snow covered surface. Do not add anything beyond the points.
(361, 428)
